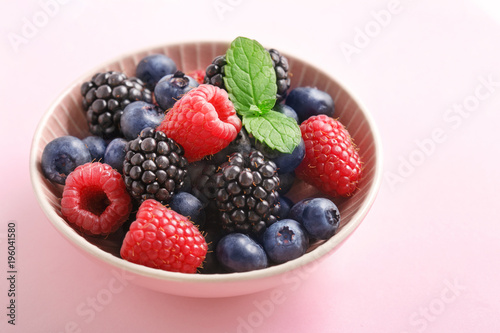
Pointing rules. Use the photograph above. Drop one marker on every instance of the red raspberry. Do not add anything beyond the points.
(203, 122)
(95, 199)
(331, 162)
(162, 238)
(198, 75)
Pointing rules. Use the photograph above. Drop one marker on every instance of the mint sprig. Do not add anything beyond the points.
(250, 80)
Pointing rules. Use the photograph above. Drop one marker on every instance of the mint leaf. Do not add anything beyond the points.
(249, 77)
(267, 105)
(276, 130)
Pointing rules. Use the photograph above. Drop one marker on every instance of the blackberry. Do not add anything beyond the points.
(280, 63)
(203, 187)
(201, 172)
(214, 73)
(104, 98)
(246, 193)
(154, 166)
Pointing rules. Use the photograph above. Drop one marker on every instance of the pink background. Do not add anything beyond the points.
(426, 257)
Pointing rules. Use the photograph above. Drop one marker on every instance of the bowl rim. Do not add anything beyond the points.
(321, 251)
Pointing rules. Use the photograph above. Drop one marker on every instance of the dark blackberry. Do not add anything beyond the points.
(214, 73)
(104, 98)
(203, 183)
(154, 166)
(246, 193)
(280, 63)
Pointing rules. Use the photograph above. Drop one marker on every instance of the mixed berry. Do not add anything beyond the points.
(196, 167)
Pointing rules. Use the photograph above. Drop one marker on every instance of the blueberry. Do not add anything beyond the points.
(115, 154)
(171, 88)
(139, 115)
(319, 216)
(288, 162)
(286, 182)
(239, 253)
(284, 162)
(61, 156)
(188, 205)
(285, 205)
(96, 146)
(308, 101)
(285, 240)
(153, 67)
(287, 111)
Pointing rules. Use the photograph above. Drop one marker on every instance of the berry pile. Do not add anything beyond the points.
(205, 160)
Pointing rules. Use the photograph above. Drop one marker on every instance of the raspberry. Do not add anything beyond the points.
(95, 199)
(161, 238)
(198, 75)
(203, 122)
(331, 163)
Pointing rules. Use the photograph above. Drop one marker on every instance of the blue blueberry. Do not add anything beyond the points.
(288, 162)
(285, 240)
(308, 101)
(319, 216)
(287, 111)
(284, 162)
(171, 88)
(115, 154)
(139, 115)
(96, 146)
(61, 156)
(153, 67)
(239, 253)
(285, 205)
(188, 205)
(286, 182)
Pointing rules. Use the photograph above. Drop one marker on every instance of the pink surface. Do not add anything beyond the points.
(425, 258)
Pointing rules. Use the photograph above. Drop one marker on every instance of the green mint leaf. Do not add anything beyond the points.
(276, 130)
(267, 105)
(249, 77)
(254, 109)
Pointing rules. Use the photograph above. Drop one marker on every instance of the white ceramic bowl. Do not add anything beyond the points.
(66, 116)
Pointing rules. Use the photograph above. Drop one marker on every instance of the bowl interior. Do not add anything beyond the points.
(66, 117)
